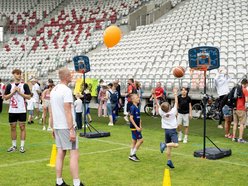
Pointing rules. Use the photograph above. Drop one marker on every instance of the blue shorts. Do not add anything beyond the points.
(87, 107)
(171, 136)
(227, 111)
(136, 135)
(109, 109)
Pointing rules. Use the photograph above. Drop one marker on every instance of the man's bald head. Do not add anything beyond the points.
(65, 75)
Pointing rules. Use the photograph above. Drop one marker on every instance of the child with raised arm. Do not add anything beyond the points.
(169, 123)
(136, 128)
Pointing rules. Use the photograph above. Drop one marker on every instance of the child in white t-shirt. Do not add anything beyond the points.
(169, 123)
(78, 105)
(30, 107)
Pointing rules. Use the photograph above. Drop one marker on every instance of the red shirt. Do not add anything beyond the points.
(241, 101)
(159, 91)
(129, 91)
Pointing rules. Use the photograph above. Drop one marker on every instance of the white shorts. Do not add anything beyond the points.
(46, 103)
(62, 140)
(183, 119)
(36, 105)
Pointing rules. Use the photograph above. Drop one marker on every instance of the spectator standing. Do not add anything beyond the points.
(239, 113)
(17, 92)
(36, 94)
(184, 114)
(30, 108)
(2, 89)
(78, 104)
(64, 128)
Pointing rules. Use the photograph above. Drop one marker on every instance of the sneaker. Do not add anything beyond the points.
(180, 136)
(12, 149)
(234, 139)
(32, 122)
(133, 158)
(170, 164)
(63, 184)
(29, 123)
(242, 141)
(36, 118)
(44, 128)
(81, 184)
(22, 150)
(126, 118)
(136, 157)
(49, 129)
(110, 124)
(162, 147)
(220, 127)
(185, 140)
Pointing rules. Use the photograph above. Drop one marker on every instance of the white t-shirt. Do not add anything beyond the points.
(169, 120)
(30, 103)
(108, 95)
(59, 95)
(78, 104)
(36, 88)
(221, 84)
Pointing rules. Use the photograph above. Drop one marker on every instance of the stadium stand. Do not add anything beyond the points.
(150, 52)
(76, 29)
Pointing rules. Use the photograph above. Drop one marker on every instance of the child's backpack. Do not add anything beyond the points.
(113, 97)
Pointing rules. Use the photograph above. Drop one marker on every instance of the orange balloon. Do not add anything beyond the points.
(112, 36)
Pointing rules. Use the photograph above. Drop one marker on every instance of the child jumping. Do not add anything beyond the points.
(169, 123)
(136, 128)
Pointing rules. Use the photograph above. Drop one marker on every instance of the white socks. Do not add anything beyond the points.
(22, 143)
(14, 143)
(76, 182)
(133, 151)
(59, 181)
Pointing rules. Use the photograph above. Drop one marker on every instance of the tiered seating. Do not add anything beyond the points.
(76, 29)
(150, 53)
(26, 14)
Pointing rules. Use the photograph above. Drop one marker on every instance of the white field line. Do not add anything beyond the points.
(47, 159)
(179, 154)
(126, 145)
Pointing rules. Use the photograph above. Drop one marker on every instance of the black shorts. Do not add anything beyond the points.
(14, 117)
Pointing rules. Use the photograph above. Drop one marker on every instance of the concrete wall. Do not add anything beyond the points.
(147, 14)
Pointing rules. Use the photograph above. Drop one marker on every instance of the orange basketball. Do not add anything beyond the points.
(178, 72)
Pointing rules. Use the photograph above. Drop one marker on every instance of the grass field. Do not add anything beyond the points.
(104, 161)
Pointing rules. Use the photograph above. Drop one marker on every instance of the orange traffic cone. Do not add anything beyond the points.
(167, 180)
(53, 157)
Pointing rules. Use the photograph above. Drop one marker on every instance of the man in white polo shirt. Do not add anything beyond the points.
(63, 125)
(17, 92)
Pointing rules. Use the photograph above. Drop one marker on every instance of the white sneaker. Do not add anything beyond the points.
(44, 128)
(49, 129)
(126, 118)
(220, 127)
(185, 140)
(180, 136)
(110, 124)
(36, 117)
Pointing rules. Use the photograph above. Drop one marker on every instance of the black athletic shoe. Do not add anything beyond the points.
(133, 158)
(136, 157)
(63, 184)
(32, 122)
(29, 123)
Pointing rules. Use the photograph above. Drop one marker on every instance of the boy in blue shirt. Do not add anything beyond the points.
(136, 128)
(169, 123)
